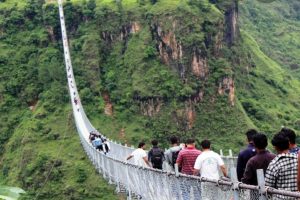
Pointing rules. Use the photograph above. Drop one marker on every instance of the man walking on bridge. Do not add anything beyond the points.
(186, 160)
(140, 156)
(171, 154)
(260, 161)
(156, 155)
(208, 164)
(187, 157)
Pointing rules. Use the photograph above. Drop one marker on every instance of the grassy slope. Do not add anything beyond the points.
(268, 88)
(275, 26)
(269, 93)
(45, 157)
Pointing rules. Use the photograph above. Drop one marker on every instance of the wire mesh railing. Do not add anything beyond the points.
(148, 183)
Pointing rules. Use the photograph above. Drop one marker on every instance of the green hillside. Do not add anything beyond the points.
(275, 27)
(269, 34)
(144, 69)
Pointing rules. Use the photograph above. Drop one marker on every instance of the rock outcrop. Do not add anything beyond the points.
(150, 106)
(231, 21)
(199, 66)
(108, 108)
(226, 86)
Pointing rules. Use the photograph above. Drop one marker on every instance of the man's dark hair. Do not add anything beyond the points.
(250, 133)
(154, 142)
(205, 144)
(141, 144)
(190, 141)
(174, 140)
(280, 141)
(290, 134)
(260, 141)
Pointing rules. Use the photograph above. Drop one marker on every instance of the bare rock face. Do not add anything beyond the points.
(151, 106)
(190, 114)
(199, 66)
(108, 108)
(51, 34)
(185, 118)
(226, 86)
(169, 47)
(231, 20)
(128, 29)
(219, 40)
(135, 27)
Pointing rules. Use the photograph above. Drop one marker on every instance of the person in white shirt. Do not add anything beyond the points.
(209, 162)
(140, 156)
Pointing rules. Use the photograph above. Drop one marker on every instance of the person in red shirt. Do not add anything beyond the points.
(186, 160)
(187, 157)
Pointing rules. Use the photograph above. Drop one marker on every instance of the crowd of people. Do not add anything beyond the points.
(280, 169)
(99, 142)
(188, 158)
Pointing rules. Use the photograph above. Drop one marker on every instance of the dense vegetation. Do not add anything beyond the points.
(39, 149)
(145, 69)
(269, 33)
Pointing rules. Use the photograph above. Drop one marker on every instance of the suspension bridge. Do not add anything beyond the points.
(148, 183)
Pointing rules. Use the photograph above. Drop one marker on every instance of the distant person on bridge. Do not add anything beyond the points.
(75, 101)
(140, 156)
(156, 155)
(245, 154)
(106, 147)
(97, 143)
(291, 135)
(187, 157)
(171, 154)
(260, 161)
(282, 171)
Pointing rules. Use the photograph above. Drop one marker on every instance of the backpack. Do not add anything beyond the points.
(174, 157)
(157, 156)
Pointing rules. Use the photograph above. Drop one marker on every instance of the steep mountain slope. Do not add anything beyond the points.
(145, 69)
(275, 26)
(270, 91)
(39, 148)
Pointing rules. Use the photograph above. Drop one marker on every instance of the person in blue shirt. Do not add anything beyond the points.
(291, 135)
(97, 143)
(246, 154)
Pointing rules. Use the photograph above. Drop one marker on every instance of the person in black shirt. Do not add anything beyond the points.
(156, 155)
(246, 154)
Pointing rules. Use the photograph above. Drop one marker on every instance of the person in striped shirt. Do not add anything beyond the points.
(187, 157)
